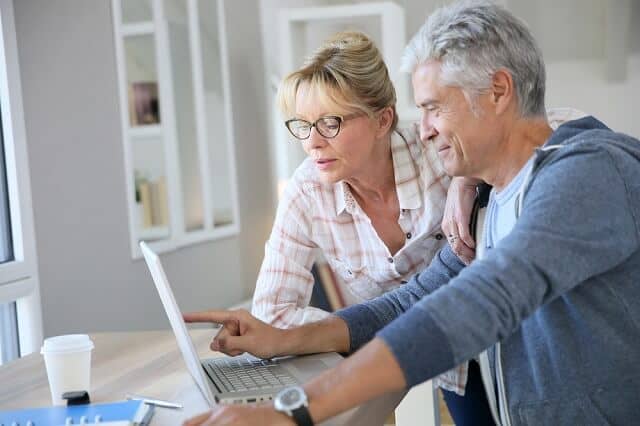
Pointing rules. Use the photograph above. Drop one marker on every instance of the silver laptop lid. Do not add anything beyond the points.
(177, 323)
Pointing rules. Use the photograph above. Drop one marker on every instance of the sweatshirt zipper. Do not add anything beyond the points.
(483, 358)
(503, 408)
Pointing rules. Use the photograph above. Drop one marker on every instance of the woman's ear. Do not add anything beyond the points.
(385, 120)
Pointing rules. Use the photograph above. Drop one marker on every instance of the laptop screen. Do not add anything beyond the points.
(177, 323)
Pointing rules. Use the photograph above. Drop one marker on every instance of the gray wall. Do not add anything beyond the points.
(88, 280)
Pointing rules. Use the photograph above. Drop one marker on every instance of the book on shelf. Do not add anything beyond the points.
(143, 103)
(144, 190)
(133, 119)
(159, 208)
(152, 197)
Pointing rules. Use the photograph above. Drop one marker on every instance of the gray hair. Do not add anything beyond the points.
(474, 39)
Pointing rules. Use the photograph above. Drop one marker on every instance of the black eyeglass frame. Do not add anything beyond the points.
(341, 119)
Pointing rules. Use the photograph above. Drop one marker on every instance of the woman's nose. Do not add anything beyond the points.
(316, 140)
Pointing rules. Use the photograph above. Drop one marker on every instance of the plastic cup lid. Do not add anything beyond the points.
(67, 343)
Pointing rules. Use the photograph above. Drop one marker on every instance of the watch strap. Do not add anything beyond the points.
(302, 416)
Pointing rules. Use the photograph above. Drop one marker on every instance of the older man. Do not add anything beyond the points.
(555, 300)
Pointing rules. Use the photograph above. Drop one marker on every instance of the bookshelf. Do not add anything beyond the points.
(177, 128)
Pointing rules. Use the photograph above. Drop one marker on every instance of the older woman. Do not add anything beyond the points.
(370, 196)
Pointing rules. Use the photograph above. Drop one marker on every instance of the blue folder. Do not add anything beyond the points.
(135, 412)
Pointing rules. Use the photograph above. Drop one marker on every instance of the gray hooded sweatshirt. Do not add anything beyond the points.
(561, 292)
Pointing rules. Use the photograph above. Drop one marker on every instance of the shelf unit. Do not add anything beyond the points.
(177, 128)
(303, 29)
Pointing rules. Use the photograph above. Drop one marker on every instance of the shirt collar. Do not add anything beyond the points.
(344, 198)
(406, 174)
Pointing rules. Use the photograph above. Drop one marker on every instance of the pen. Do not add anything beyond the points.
(156, 402)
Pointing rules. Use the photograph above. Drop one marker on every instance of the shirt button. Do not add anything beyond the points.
(390, 260)
(409, 235)
(439, 236)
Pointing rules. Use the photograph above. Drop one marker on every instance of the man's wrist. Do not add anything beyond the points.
(327, 335)
(283, 419)
(287, 339)
(293, 402)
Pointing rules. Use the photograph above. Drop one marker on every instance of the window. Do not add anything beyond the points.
(9, 345)
(20, 315)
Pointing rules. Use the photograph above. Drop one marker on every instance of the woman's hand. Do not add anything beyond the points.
(241, 332)
(457, 217)
(241, 415)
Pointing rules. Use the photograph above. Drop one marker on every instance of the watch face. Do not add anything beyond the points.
(290, 399)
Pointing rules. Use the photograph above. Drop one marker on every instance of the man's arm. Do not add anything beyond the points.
(344, 332)
(573, 227)
(367, 374)
(241, 332)
(568, 232)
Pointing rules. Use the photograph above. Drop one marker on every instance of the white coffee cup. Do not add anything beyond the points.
(68, 362)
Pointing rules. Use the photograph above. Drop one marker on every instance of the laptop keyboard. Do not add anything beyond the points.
(243, 374)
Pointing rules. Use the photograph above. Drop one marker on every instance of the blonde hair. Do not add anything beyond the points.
(346, 72)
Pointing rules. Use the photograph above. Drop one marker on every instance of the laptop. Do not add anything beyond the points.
(233, 380)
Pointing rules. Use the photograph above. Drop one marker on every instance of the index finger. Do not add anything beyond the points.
(216, 317)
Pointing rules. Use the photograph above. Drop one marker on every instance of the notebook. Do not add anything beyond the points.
(134, 412)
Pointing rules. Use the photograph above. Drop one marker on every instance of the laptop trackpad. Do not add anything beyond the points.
(307, 368)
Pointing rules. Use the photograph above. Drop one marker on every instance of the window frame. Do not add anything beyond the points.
(18, 278)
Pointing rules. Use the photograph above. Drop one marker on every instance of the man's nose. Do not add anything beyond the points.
(427, 130)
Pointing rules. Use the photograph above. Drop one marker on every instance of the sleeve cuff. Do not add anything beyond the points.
(362, 324)
(419, 345)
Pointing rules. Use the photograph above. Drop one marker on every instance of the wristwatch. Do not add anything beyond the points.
(293, 402)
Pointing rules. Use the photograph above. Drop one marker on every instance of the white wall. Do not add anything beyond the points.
(88, 280)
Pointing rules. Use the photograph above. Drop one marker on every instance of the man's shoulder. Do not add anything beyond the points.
(587, 135)
(580, 158)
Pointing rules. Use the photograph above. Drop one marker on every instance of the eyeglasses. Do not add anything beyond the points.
(328, 126)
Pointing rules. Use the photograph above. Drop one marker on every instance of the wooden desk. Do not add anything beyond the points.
(147, 363)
